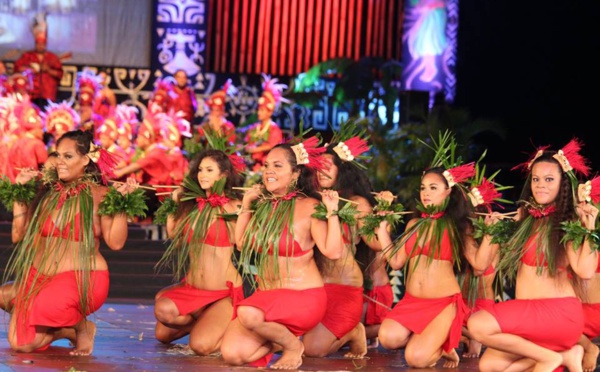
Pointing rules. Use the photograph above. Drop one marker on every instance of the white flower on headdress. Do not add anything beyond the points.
(343, 152)
(94, 153)
(584, 191)
(564, 162)
(475, 196)
(301, 154)
(449, 178)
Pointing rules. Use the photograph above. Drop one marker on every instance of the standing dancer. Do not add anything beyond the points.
(428, 320)
(200, 252)
(540, 328)
(265, 134)
(279, 236)
(60, 276)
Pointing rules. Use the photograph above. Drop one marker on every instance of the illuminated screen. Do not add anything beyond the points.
(96, 32)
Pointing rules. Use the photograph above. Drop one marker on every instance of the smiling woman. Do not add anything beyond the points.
(279, 237)
(59, 275)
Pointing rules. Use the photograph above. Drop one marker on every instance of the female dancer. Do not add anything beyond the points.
(201, 249)
(59, 275)
(428, 320)
(540, 329)
(279, 235)
(343, 277)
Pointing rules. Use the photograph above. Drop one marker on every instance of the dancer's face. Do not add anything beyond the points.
(545, 182)
(69, 163)
(434, 189)
(263, 113)
(328, 176)
(208, 173)
(277, 173)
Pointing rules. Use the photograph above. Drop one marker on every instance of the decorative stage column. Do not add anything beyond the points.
(179, 38)
(429, 47)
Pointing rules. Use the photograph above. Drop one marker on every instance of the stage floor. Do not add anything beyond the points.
(125, 342)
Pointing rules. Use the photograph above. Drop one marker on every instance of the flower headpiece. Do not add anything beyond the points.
(27, 113)
(105, 161)
(87, 85)
(272, 93)
(60, 117)
(569, 158)
(217, 99)
(127, 120)
(309, 154)
(174, 126)
(444, 157)
(162, 95)
(589, 191)
(221, 143)
(21, 82)
(39, 27)
(349, 143)
(484, 191)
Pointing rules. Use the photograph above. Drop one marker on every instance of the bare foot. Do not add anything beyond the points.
(357, 342)
(452, 359)
(290, 358)
(590, 358)
(572, 358)
(84, 344)
(473, 351)
(552, 364)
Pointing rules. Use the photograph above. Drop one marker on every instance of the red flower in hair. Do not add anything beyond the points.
(237, 162)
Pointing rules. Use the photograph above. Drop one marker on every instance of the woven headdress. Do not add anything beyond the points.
(217, 100)
(445, 157)
(589, 191)
(350, 142)
(272, 93)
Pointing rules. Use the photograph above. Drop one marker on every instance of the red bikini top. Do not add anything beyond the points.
(530, 255)
(284, 243)
(50, 229)
(444, 253)
(217, 234)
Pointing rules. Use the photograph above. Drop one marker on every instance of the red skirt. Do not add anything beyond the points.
(377, 311)
(553, 323)
(57, 302)
(298, 310)
(188, 298)
(591, 317)
(344, 308)
(416, 314)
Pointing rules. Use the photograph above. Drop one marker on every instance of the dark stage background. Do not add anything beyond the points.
(531, 64)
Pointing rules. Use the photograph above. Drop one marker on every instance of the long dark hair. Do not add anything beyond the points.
(564, 204)
(225, 167)
(459, 210)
